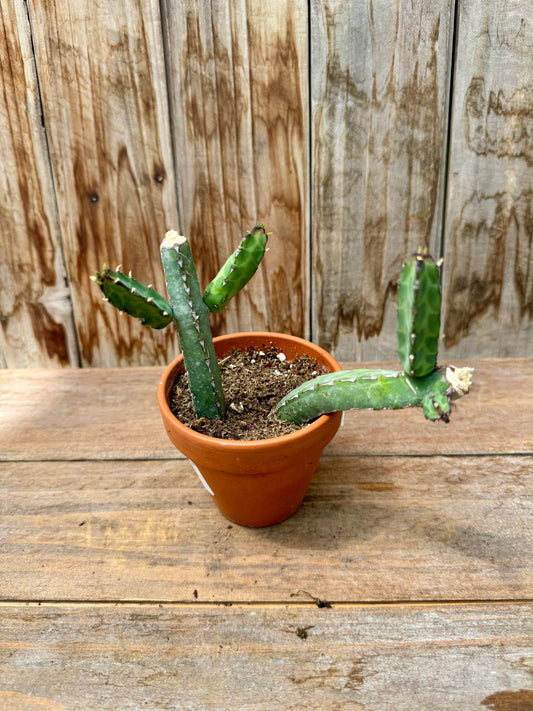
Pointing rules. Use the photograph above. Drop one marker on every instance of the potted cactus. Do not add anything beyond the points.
(263, 481)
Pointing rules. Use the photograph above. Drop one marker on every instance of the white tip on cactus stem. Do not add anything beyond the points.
(460, 379)
(173, 239)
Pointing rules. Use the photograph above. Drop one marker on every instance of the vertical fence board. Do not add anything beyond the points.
(36, 324)
(379, 77)
(102, 72)
(489, 222)
(89, 175)
(239, 102)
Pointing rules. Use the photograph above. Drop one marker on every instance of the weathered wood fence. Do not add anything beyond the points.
(356, 131)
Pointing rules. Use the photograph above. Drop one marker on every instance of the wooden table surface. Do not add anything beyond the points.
(404, 581)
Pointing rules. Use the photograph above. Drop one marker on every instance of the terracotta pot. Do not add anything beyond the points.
(254, 482)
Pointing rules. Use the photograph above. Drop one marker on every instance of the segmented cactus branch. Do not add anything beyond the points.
(238, 269)
(419, 304)
(375, 389)
(136, 299)
(421, 383)
(190, 316)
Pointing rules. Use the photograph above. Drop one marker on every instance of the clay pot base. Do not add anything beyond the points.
(256, 482)
(254, 381)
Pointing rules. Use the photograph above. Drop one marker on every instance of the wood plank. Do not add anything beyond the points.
(380, 78)
(36, 324)
(94, 411)
(489, 254)
(239, 102)
(102, 77)
(461, 657)
(370, 528)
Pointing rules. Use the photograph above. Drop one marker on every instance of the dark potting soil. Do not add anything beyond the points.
(254, 381)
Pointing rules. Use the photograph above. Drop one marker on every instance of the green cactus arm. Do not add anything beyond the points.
(418, 315)
(190, 317)
(238, 269)
(374, 389)
(136, 299)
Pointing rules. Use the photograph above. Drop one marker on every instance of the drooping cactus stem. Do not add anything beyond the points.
(377, 390)
(190, 317)
(419, 305)
(136, 299)
(238, 269)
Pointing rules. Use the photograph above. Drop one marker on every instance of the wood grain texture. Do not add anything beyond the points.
(488, 247)
(355, 131)
(102, 77)
(113, 414)
(370, 529)
(379, 77)
(239, 103)
(403, 582)
(36, 325)
(461, 657)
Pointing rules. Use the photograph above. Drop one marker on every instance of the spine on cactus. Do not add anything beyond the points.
(190, 316)
(418, 315)
(136, 299)
(376, 390)
(238, 269)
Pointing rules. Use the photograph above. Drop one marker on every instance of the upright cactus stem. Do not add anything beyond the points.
(190, 316)
(419, 305)
(238, 269)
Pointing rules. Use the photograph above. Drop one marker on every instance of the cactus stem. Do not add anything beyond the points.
(376, 390)
(238, 269)
(136, 299)
(190, 316)
(418, 317)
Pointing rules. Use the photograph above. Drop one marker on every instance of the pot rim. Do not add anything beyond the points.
(236, 445)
